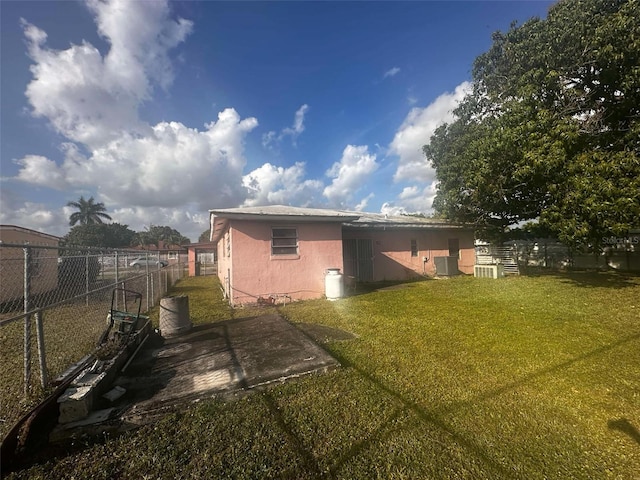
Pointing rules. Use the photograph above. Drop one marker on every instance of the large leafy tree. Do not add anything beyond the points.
(204, 236)
(551, 129)
(89, 212)
(112, 235)
(157, 234)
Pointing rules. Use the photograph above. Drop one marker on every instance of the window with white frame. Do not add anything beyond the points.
(284, 241)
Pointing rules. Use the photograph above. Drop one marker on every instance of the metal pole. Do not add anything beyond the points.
(27, 320)
(116, 280)
(86, 279)
(147, 280)
(44, 380)
(546, 258)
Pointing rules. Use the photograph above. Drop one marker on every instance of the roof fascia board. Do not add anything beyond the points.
(409, 226)
(263, 217)
(218, 225)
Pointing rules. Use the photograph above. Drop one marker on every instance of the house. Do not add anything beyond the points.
(273, 252)
(168, 252)
(42, 266)
(199, 255)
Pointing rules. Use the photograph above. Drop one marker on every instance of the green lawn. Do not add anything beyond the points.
(526, 377)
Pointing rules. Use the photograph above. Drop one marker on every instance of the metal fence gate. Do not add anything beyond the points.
(358, 258)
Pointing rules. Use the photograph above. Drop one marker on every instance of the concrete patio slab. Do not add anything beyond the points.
(213, 359)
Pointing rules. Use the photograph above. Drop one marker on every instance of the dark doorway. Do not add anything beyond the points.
(454, 247)
(358, 258)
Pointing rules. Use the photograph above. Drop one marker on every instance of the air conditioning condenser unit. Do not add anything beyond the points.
(488, 271)
(446, 266)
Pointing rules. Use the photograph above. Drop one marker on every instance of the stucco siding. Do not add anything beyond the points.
(224, 260)
(392, 258)
(257, 273)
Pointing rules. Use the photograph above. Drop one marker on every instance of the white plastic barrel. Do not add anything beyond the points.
(333, 284)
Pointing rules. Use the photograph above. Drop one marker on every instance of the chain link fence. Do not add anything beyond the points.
(528, 255)
(54, 303)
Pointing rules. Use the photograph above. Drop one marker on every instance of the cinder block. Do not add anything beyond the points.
(76, 403)
(88, 379)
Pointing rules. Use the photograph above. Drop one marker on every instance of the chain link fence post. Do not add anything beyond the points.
(116, 279)
(86, 278)
(44, 379)
(147, 279)
(27, 319)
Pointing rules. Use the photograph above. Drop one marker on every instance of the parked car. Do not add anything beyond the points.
(144, 261)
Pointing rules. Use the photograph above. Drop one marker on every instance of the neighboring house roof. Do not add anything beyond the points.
(201, 246)
(16, 228)
(160, 249)
(220, 218)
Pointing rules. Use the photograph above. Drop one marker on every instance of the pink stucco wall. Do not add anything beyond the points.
(250, 271)
(392, 258)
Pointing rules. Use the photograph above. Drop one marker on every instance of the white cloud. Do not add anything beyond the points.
(389, 208)
(412, 199)
(269, 138)
(40, 217)
(363, 203)
(416, 131)
(349, 174)
(392, 72)
(271, 185)
(187, 223)
(292, 132)
(298, 122)
(141, 35)
(145, 173)
(174, 165)
(39, 170)
(92, 99)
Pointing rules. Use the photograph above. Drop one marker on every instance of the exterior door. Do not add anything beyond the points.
(358, 258)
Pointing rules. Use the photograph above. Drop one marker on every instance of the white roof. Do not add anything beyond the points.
(285, 212)
(220, 217)
(369, 220)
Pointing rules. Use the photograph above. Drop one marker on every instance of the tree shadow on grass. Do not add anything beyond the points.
(364, 288)
(437, 419)
(428, 417)
(625, 426)
(592, 278)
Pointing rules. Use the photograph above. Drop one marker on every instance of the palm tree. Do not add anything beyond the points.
(88, 212)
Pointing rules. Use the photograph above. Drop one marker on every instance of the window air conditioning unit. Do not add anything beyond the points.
(446, 266)
(488, 271)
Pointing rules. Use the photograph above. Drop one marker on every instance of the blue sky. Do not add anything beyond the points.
(165, 110)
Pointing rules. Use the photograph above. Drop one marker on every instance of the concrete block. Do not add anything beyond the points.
(76, 403)
(115, 393)
(88, 379)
